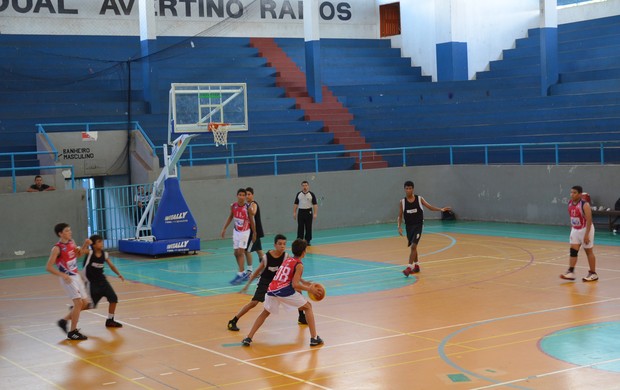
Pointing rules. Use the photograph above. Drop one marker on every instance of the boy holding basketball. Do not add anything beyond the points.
(267, 270)
(410, 208)
(64, 256)
(284, 291)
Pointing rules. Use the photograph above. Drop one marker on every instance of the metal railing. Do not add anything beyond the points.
(405, 154)
(14, 170)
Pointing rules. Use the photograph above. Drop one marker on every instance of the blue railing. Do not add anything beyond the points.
(404, 152)
(37, 168)
(230, 148)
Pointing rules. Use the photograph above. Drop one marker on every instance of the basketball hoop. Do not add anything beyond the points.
(220, 133)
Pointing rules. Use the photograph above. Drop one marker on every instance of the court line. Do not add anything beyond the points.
(550, 373)
(417, 332)
(219, 354)
(446, 340)
(80, 358)
(30, 372)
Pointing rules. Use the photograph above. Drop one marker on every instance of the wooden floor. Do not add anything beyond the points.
(487, 311)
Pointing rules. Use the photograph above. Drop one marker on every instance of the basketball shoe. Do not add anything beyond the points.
(76, 335)
(592, 277)
(568, 276)
(316, 341)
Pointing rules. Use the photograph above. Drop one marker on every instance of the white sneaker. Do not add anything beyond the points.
(592, 277)
(568, 276)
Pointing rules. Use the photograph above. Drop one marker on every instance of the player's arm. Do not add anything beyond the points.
(301, 284)
(251, 213)
(114, 269)
(587, 211)
(399, 220)
(431, 207)
(255, 274)
(49, 267)
(295, 206)
(84, 248)
(315, 206)
(228, 221)
(50, 188)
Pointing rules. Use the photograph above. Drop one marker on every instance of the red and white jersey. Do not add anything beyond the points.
(67, 259)
(241, 217)
(282, 283)
(577, 215)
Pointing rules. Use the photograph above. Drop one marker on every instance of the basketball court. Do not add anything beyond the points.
(487, 311)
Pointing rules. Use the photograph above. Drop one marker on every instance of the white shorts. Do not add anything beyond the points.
(240, 239)
(290, 303)
(76, 288)
(577, 236)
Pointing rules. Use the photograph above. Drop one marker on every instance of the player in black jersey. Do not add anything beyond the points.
(266, 269)
(410, 207)
(253, 246)
(96, 282)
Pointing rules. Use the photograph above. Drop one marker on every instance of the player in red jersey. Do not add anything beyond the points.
(284, 291)
(243, 226)
(64, 255)
(581, 234)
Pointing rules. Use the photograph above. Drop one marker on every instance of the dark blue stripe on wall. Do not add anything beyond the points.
(451, 61)
(313, 70)
(548, 58)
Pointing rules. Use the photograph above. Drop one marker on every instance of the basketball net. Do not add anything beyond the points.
(220, 133)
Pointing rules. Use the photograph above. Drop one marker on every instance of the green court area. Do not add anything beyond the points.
(209, 272)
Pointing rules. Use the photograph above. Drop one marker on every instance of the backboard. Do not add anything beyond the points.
(192, 106)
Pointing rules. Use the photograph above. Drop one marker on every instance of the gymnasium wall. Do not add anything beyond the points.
(527, 194)
(587, 11)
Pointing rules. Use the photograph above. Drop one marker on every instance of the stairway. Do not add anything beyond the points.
(335, 117)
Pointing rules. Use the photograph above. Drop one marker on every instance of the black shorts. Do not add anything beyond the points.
(254, 246)
(414, 232)
(259, 294)
(100, 289)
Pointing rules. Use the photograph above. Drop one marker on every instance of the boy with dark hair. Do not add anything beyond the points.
(267, 270)
(96, 281)
(243, 226)
(255, 246)
(581, 234)
(410, 209)
(64, 255)
(284, 291)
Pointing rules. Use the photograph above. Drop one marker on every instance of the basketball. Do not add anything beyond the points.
(585, 197)
(319, 296)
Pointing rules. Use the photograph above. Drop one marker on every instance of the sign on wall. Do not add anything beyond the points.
(92, 153)
(184, 17)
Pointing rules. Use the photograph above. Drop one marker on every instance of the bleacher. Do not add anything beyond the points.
(503, 105)
(71, 81)
(86, 79)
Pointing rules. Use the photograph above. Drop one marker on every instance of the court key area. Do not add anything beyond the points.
(488, 310)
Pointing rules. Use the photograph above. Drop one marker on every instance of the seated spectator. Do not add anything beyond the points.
(39, 186)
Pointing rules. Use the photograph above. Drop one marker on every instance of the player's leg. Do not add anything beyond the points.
(240, 243)
(232, 324)
(414, 233)
(576, 239)
(589, 249)
(314, 337)
(257, 324)
(112, 298)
